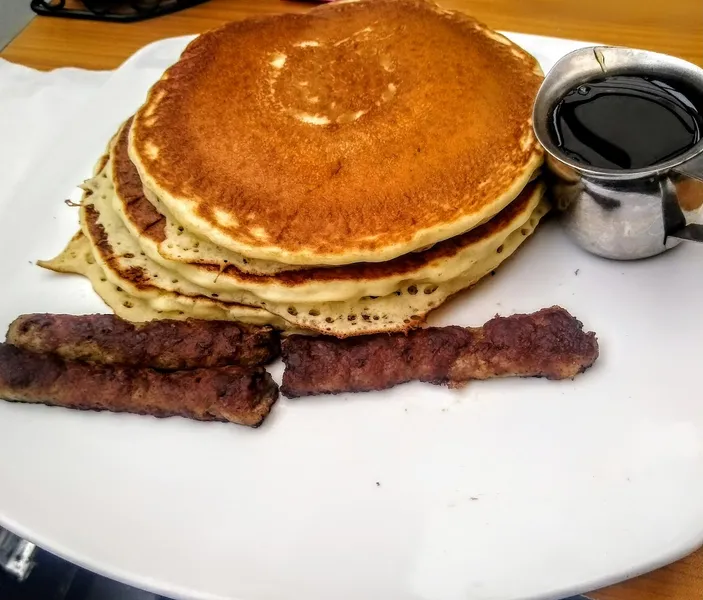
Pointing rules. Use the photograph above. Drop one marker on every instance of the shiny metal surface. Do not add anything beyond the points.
(16, 555)
(618, 213)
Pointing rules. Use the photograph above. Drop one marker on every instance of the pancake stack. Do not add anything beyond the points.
(344, 172)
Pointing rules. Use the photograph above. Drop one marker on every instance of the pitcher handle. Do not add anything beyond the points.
(692, 168)
(675, 224)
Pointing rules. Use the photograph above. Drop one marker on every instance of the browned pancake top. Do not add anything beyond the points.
(150, 223)
(345, 130)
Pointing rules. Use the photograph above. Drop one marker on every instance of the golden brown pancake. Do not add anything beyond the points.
(357, 132)
(78, 258)
(441, 262)
(124, 264)
(122, 282)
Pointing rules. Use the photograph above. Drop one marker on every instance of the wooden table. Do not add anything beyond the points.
(671, 26)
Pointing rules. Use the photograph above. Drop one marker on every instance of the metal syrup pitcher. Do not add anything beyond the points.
(621, 213)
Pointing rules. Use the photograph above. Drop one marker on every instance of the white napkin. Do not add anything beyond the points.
(35, 108)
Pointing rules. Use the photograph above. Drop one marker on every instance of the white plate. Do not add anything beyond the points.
(503, 490)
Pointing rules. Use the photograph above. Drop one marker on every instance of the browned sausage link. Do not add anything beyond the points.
(325, 365)
(167, 344)
(549, 343)
(234, 394)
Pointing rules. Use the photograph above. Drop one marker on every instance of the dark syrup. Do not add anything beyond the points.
(627, 121)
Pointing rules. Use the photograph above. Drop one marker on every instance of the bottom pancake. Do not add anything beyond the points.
(78, 258)
(402, 310)
(396, 312)
(126, 265)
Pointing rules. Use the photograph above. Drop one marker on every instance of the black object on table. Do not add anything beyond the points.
(30, 573)
(123, 11)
